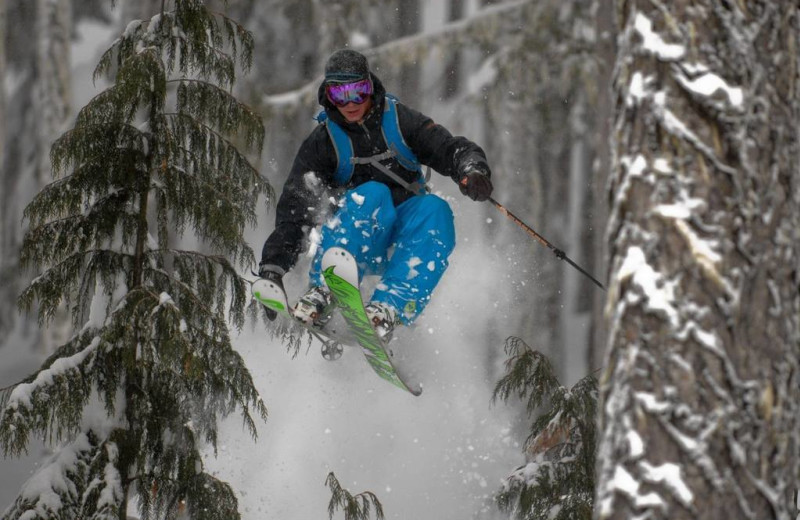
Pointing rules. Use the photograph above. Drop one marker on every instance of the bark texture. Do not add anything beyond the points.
(700, 413)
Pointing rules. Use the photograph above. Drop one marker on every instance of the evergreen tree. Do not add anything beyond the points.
(558, 480)
(138, 389)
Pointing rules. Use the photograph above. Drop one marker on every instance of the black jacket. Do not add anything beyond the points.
(312, 175)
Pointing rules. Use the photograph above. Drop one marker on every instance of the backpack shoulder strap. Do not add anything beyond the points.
(343, 147)
(390, 126)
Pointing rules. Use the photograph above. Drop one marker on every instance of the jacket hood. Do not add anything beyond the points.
(378, 95)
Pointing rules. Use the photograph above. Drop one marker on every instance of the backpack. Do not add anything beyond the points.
(395, 144)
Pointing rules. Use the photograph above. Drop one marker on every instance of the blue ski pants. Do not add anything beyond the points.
(367, 225)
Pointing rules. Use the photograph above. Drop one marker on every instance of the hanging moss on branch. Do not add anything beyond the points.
(135, 395)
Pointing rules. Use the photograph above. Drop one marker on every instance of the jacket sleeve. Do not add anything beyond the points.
(436, 147)
(300, 201)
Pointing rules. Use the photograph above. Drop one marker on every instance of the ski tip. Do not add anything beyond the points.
(343, 261)
(336, 256)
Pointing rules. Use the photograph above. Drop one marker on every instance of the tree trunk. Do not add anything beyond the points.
(3, 120)
(37, 108)
(598, 203)
(700, 414)
(55, 97)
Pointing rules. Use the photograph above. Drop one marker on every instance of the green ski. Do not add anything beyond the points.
(340, 271)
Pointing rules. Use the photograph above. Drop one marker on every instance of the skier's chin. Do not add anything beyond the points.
(353, 117)
(354, 113)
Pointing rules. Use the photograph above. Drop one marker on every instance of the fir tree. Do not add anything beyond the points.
(134, 395)
(557, 483)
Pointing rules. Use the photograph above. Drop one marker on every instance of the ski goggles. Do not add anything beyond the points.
(341, 94)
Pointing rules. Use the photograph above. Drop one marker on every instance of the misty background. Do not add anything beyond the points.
(526, 80)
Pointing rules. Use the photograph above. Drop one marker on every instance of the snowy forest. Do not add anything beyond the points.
(653, 142)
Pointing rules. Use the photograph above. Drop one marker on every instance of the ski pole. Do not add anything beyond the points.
(559, 253)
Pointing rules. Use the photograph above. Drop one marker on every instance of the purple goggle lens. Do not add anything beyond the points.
(341, 94)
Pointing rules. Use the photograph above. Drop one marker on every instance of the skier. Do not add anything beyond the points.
(371, 146)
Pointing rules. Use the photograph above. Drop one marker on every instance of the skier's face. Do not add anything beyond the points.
(355, 113)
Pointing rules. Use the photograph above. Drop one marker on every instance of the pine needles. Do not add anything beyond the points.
(355, 507)
(161, 152)
(557, 483)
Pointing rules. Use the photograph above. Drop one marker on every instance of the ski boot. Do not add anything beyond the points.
(384, 319)
(314, 308)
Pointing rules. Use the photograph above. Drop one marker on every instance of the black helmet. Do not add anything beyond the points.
(345, 66)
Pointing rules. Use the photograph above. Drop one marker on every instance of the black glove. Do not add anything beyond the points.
(275, 274)
(476, 185)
